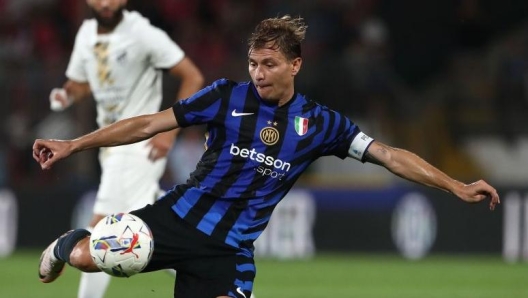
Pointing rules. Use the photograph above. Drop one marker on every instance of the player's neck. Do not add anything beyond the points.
(286, 98)
(105, 30)
(102, 29)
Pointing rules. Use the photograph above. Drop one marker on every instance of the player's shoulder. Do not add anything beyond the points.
(136, 22)
(86, 34)
(314, 107)
(309, 103)
(88, 26)
(221, 87)
(225, 83)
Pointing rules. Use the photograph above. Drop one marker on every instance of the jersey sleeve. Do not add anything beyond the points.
(204, 106)
(164, 52)
(344, 138)
(76, 70)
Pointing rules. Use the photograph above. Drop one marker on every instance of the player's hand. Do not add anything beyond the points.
(479, 191)
(59, 100)
(48, 152)
(160, 145)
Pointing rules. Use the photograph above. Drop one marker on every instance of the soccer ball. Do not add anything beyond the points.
(121, 244)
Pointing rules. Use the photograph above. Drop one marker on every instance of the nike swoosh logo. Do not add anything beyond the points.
(239, 290)
(236, 114)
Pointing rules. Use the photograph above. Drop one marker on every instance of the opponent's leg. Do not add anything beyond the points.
(71, 248)
(93, 285)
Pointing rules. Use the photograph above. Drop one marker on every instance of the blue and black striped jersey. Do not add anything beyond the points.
(256, 151)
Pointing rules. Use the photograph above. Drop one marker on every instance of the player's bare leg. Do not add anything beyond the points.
(81, 258)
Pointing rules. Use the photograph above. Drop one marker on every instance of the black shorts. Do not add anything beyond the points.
(205, 267)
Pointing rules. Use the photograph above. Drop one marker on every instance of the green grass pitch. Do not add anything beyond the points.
(344, 275)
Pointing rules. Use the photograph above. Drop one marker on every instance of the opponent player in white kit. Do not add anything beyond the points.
(118, 58)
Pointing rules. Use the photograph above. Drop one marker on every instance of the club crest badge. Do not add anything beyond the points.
(269, 135)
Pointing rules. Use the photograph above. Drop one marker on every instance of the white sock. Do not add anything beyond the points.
(93, 285)
(171, 272)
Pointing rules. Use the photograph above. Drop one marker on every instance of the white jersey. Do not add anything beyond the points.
(123, 67)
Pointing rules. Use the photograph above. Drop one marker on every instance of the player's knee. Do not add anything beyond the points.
(81, 259)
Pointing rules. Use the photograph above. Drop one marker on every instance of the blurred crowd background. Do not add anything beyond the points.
(445, 79)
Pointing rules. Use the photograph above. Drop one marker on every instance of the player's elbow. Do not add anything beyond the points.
(193, 77)
(197, 79)
(77, 90)
(392, 160)
(149, 126)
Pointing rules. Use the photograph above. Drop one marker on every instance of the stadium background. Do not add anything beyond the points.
(445, 79)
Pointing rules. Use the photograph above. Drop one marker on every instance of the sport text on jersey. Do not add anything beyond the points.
(276, 168)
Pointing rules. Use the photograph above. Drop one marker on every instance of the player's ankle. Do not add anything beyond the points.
(67, 242)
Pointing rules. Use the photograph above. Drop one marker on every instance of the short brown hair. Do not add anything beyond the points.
(286, 33)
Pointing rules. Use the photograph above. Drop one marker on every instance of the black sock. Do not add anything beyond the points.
(66, 243)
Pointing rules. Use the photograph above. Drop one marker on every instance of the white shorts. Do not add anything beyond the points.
(129, 180)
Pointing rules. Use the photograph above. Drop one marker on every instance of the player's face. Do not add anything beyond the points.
(108, 13)
(273, 74)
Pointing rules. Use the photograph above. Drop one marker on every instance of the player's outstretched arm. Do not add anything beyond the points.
(411, 167)
(127, 131)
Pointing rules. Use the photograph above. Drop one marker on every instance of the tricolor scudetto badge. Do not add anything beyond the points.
(301, 125)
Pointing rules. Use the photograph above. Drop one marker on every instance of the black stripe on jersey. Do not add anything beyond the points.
(258, 228)
(207, 164)
(263, 212)
(199, 210)
(308, 141)
(222, 91)
(208, 161)
(247, 267)
(340, 149)
(281, 116)
(330, 126)
(229, 219)
(247, 124)
(200, 103)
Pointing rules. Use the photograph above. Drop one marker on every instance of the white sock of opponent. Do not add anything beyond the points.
(93, 285)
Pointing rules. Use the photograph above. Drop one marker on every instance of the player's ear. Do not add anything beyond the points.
(296, 65)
